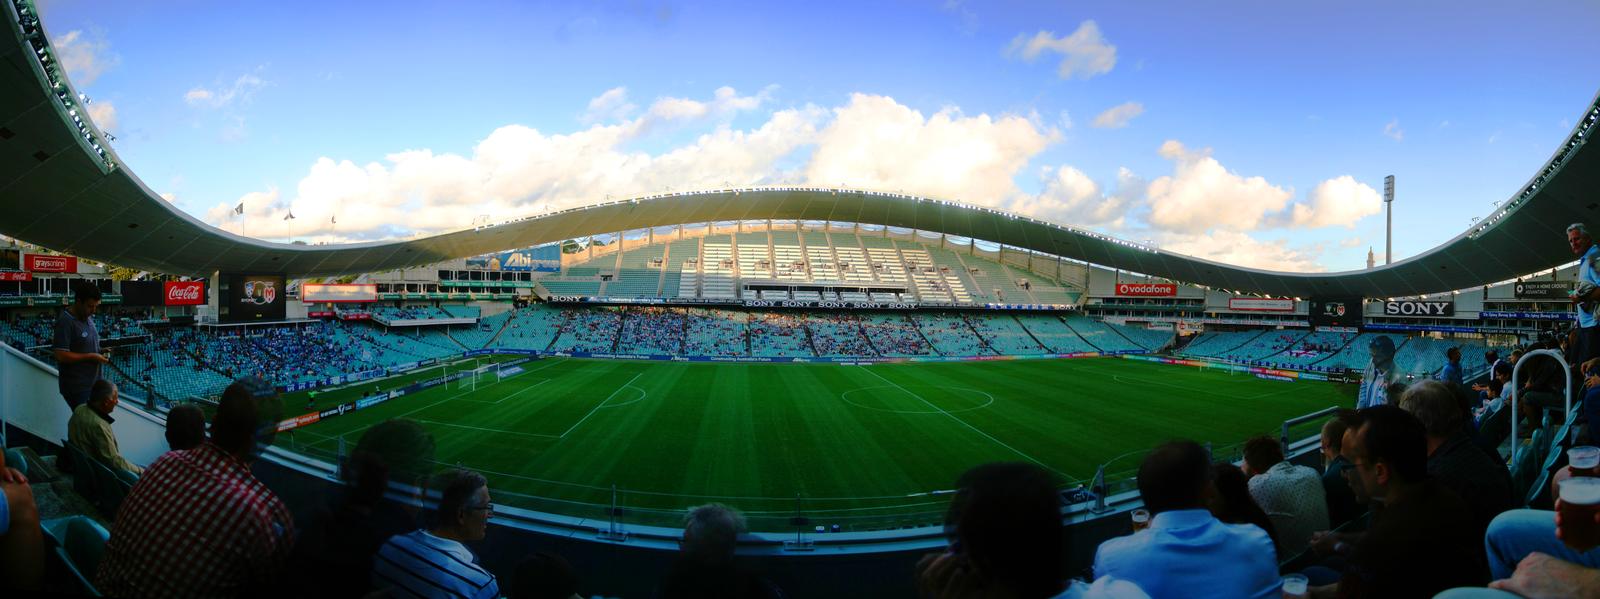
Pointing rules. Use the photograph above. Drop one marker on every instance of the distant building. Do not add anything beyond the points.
(1371, 260)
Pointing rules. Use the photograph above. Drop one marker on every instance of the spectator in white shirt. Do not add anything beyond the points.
(1292, 495)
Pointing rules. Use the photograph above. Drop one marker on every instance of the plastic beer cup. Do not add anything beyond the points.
(1141, 519)
(1580, 499)
(1585, 460)
(1295, 585)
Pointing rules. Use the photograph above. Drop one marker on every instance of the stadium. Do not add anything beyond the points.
(826, 360)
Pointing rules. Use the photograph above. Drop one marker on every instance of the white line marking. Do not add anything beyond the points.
(488, 430)
(597, 406)
(642, 395)
(868, 370)
(497, 402)
(1119, 378)
(457, 395)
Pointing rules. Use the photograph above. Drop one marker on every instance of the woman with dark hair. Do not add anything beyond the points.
(1232, 503)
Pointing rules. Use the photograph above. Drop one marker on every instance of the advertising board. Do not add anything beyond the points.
(1147, 289)
(44, 263)
(320, 292)
(1261, 304)
(183, 293)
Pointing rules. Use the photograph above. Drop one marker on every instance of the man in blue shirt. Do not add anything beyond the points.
(1583, 246)
(1186, 551)
(77, 346)
(434, 562)
(1451, 373)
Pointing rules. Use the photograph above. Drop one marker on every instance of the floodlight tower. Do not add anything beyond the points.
(1388, 216)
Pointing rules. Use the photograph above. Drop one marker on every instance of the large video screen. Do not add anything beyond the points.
(1336, 312)
(253, 297)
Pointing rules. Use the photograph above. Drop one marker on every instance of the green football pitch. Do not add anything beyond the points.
(863, 446)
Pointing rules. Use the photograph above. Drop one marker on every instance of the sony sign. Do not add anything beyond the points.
(1419, 308)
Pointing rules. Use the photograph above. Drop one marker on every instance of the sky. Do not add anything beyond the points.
(1254, 133)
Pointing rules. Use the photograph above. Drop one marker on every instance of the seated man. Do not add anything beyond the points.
(186, 427)
(1291, 495)
(705, 565)
(198, 523)
(1006, 540)
(434, 562)
(1186, 549)
(1342, 506)
(90, 428)
(21, 539)
(1482, 481)
(1420, 542)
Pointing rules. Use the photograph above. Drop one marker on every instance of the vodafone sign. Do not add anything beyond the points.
(184, 293)
(43, 263)
(1147, 289)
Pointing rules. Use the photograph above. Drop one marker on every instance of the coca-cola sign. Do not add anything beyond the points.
(22, 277)
(184, 293)
(1147, 289)
(43, 263)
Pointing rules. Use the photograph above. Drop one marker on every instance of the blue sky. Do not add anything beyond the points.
(1249, 132)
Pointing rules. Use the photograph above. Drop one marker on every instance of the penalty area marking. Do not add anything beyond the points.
(497, 402)
(1121, 379)
(845, 397)
(488, 430)
(1068, 477)
(601, 404)
(642, 395)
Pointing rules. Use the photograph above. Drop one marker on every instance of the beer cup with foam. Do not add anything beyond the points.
(1584, 460)
(1580, 500)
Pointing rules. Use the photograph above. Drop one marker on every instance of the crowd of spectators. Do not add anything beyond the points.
(589, 330)
(652, 330)
(779, 334)
(895, 335)
(839, 334)
(714, 332)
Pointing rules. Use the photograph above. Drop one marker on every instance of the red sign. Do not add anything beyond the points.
(320, 314)
(185, 293)
(1147, 289)
(16, 276)
(1261, 304)
(43, 263)
(355, 316)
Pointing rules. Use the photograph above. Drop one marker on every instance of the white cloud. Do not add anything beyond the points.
(240, 91)
(1201, 195)
(1239, 249)
(85, 59)
(1071, 197)
(1065, 120)
(1393, 130)
(1084, 53)
(169, 197)
(1350, 242)
(104, 115)
(1340, 201)
(875, 142)
(1118, 116)
(515, 171)
(725, 101)
(612, 105)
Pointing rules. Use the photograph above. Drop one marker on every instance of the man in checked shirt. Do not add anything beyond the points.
(198, 523)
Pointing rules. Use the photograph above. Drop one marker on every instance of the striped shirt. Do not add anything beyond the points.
(418, 564)
(197, 524)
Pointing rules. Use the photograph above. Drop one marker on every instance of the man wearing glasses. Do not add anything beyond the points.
(434, 562)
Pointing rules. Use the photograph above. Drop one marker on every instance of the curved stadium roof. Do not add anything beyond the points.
(63, 187)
